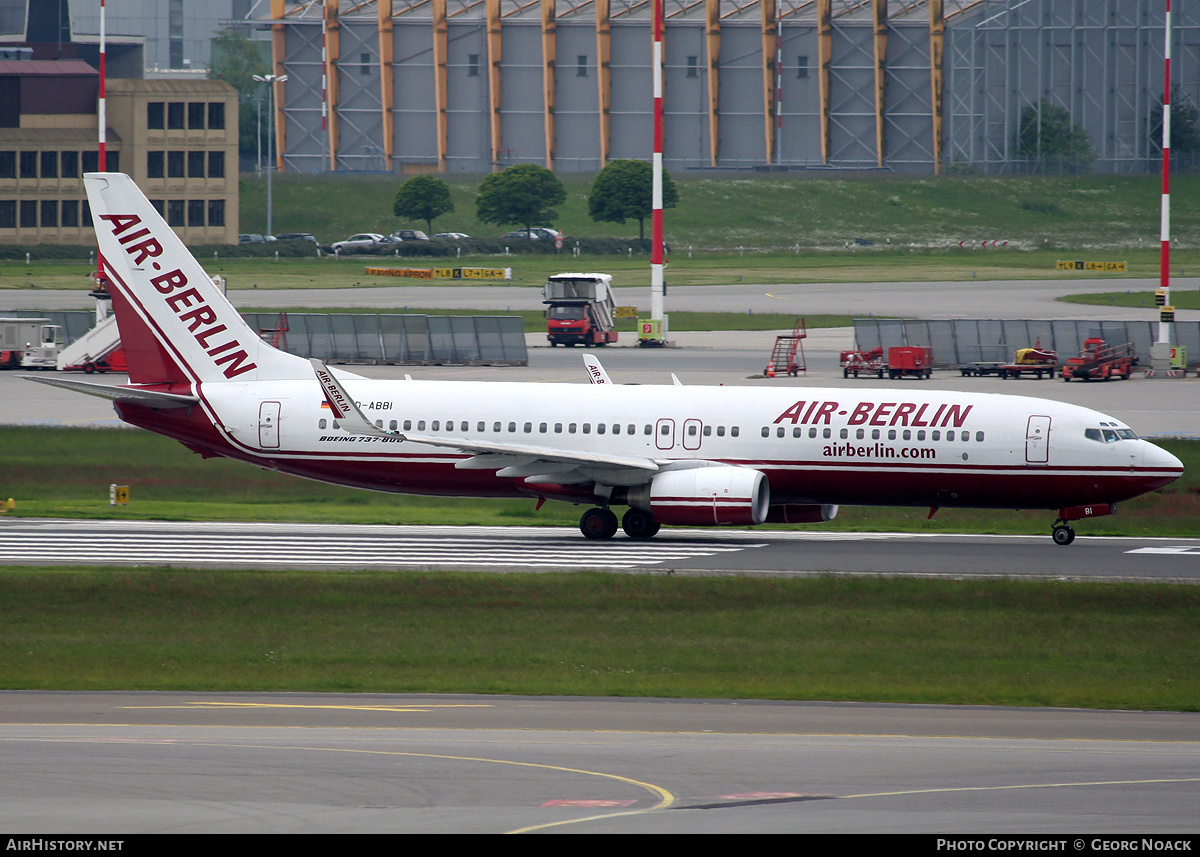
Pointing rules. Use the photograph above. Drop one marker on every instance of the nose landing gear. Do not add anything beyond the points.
(1063, 534)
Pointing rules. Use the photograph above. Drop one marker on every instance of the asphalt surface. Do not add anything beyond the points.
(25, 541)
(123, 763)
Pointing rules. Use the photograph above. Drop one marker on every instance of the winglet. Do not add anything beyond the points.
(595, 371)
(340, 402)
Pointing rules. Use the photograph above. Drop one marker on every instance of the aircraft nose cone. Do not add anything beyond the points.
(1158, 458)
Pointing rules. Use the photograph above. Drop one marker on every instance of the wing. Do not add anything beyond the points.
(148, 398)
(535, 463)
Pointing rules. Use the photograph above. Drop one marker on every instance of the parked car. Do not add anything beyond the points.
(452, 236)
(534, 233)
(355, 243)
(251, 238)
(409, 235)
(296, 236)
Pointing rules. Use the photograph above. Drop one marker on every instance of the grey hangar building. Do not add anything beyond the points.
(909, 86)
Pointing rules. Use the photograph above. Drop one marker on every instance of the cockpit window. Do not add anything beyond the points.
(1109, 435)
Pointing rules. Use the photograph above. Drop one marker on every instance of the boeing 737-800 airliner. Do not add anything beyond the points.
(697, 456)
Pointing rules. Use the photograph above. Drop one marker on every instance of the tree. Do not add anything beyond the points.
(1185, 125)
(1047, 135)
(624, 190)
(520, 194)
(235, 60)
(423, 198)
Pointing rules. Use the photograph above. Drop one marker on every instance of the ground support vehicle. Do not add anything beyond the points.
(29, 343)
(981, 367)
(1099, 361)
(914, 360)
(853, 362)
(580, 310)
(787, 357)
(1031, 361)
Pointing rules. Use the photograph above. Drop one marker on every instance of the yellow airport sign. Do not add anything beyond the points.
(1110, 267)
(443, 273)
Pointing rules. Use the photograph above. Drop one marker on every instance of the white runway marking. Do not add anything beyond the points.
(276, 545)
(1178, 550)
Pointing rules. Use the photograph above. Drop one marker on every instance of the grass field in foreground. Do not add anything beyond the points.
(877, 640)
(168, 482)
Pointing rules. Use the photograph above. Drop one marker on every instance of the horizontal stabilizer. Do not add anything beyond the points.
(148, 398)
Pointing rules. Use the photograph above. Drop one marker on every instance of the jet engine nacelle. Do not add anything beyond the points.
(802, 513)
(705, 496)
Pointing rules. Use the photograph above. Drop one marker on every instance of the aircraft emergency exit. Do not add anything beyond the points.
(695, 456)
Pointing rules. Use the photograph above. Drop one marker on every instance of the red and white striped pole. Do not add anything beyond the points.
(1164, 327)
(102, 134)
(657, 291)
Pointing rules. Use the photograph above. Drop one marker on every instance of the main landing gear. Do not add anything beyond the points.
(600, 524)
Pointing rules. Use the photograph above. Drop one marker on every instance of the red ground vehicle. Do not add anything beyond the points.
(853, 362)
(1099, 361)
(581, 308)
(915, 360)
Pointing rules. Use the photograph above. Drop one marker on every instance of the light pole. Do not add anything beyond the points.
(270, 80)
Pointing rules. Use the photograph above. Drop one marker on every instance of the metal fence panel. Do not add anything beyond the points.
(967, 340)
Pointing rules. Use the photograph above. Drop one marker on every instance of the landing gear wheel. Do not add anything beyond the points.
(1063, 535)
(598, 524)
(639, 525)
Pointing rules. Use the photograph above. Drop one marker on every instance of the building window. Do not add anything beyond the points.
(70, 212)
(49, 165)
(581, 66)
(28, 213)
(216, 165)
(85, 212)
(175, 115)
(175, 211)
(70, 165)
(472, 65)
(195, 212)
(112, 162)
(154, 165)
(8, 165)
(175, 165)
(90, 161)
(8, 214)
(49, 213)
(802, 67)
(195, 115)
(157, 205)
(29, 165)
(195, 164)
(216, 115)
(693, 66)
(364, 64)
(216, 212)
(156, 115)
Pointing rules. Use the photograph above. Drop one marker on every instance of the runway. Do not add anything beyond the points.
(123, 763)
(344, 547)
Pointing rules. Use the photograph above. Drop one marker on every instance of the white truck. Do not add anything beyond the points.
(29, 343)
